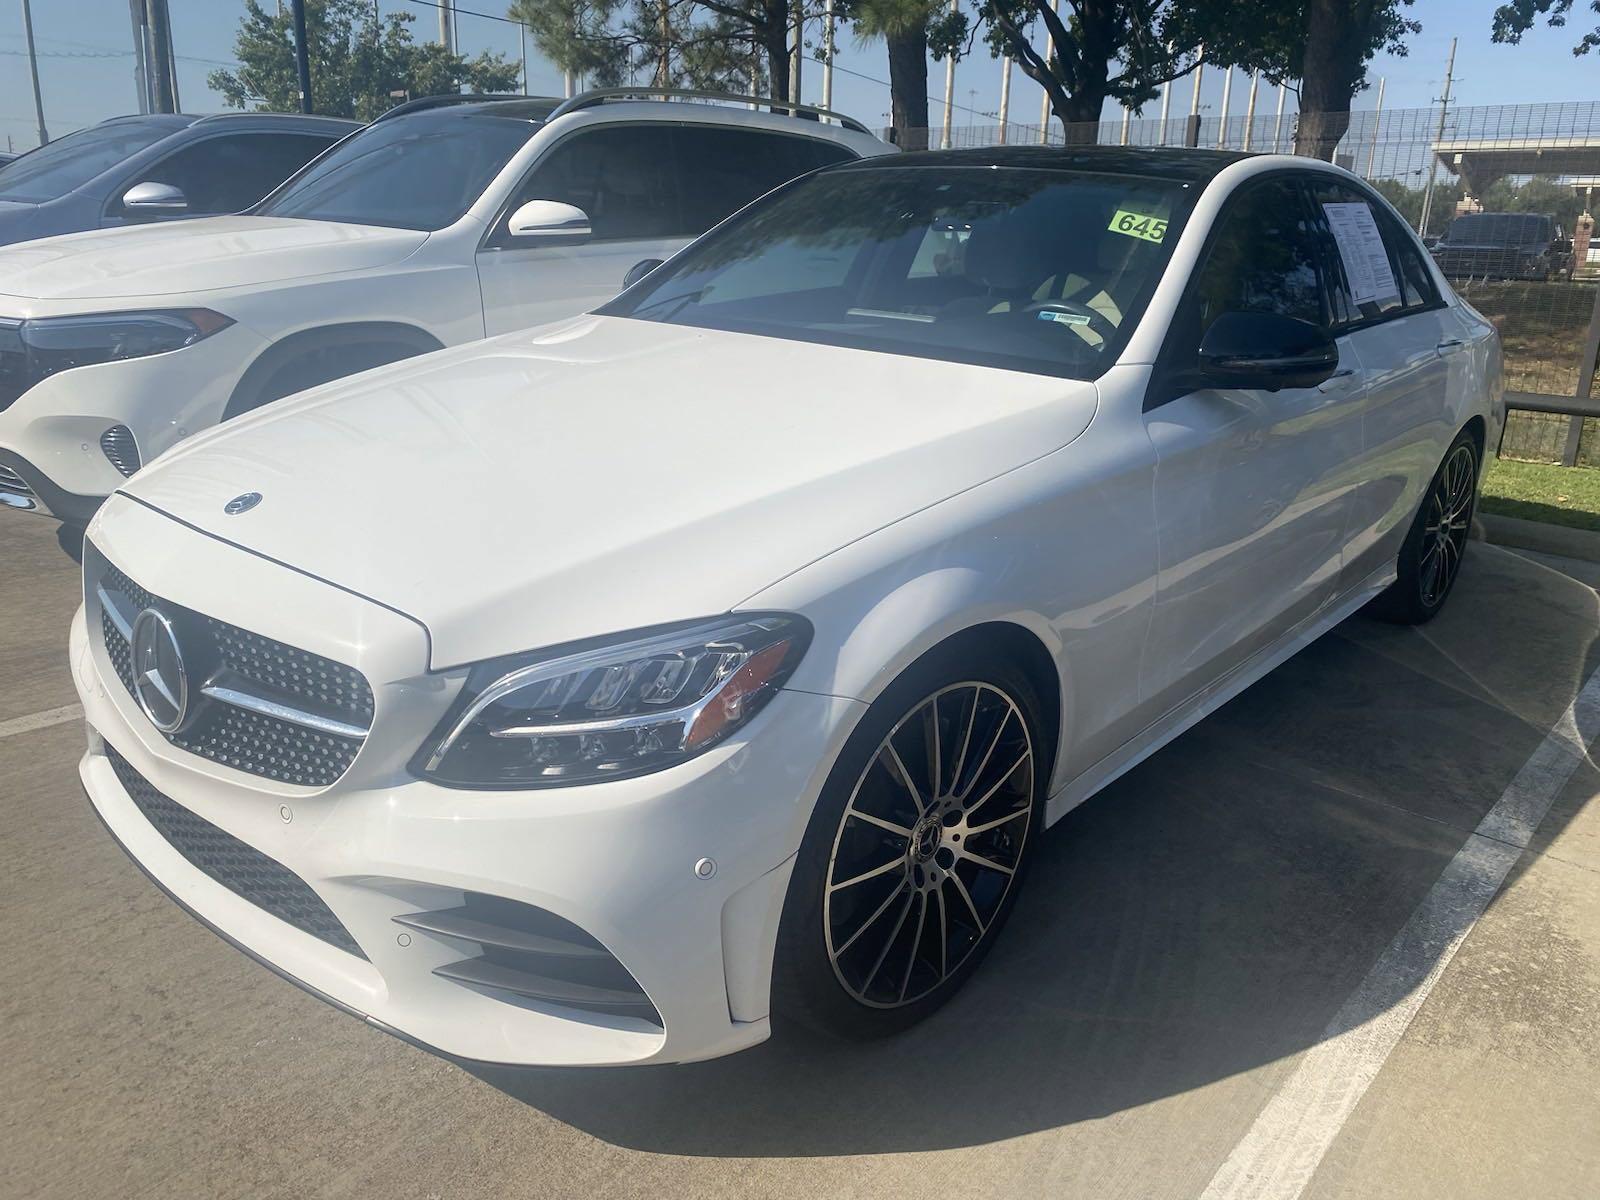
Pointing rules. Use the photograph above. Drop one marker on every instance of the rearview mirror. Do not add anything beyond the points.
(155, 198)
(550, 220)
(639, 270)
(1266, 351)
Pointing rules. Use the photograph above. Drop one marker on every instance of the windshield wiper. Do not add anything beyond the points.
(680, 300)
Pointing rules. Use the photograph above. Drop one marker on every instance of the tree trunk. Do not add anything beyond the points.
(1080, 116)
(663, 77)
(1333, 65)
(908, 87)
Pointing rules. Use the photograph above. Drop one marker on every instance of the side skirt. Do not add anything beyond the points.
(1181, 718)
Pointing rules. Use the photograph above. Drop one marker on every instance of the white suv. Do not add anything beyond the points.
(426, 229)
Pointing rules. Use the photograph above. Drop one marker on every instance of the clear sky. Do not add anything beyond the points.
(86, 65)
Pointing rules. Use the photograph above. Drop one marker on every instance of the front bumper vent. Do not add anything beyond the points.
(242, 869)
(533, 954)
(12, 484)
(120, 449)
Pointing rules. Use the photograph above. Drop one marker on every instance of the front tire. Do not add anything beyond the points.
(1430, 557)
(913, 858)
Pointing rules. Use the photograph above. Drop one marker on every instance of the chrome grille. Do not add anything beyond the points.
(120, 449)
(261, 706)
(242, 869)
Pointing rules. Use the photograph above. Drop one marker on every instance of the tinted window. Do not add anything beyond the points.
(230, 173)
(724, 169)
(1264, 257)
(1500, 229)
(621, 175)
(70, 162)
(1043, 271)
(1416, 280)
(418, 172)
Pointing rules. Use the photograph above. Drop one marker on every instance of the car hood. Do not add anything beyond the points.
(205, 254)
(603, 474)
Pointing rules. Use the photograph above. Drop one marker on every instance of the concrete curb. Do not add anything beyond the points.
(1537, 535)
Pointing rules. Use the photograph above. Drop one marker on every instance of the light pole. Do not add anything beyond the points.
(33, 70)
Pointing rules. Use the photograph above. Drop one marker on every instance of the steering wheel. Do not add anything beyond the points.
(1081, 314)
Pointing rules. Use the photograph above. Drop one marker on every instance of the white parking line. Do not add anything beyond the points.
(1277, 1157)
(41, 720)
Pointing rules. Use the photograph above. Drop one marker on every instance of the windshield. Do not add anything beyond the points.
(420, 172)
(1034, 270)
(70, 162)
(1500, 229)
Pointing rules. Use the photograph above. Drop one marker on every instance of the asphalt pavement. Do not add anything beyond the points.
(1304, 950)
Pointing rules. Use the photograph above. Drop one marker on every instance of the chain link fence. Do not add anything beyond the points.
(1538, 281)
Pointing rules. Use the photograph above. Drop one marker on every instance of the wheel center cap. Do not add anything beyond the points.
(925, 838)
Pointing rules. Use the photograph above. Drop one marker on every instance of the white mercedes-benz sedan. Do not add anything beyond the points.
(595, 693)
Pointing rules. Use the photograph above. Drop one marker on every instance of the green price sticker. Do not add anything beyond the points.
(1151, 229)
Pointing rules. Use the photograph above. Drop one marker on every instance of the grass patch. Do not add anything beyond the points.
(1541, 492)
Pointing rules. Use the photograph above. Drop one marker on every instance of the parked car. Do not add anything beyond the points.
(423, 230)
(1505, 246)
(590, 693)
(161, 167)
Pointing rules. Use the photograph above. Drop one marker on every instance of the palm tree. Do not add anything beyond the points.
(903, 25)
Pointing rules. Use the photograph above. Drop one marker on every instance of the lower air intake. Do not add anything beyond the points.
(534, 955)
(120, 449)
(242, 869)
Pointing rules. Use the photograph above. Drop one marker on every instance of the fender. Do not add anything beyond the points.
(388, 341)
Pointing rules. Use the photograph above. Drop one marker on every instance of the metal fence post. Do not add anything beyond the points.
(1591, 351)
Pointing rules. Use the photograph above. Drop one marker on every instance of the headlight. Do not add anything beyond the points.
(55, 344)
(615, 710)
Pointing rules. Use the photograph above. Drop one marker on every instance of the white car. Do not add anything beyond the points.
(587, 695)
(425, 229)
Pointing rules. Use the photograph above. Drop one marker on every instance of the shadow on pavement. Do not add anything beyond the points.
(1204, 916)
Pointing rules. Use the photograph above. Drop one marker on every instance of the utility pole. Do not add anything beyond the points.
(1005, 95)
(301, 62)
(798, 57)
(827, 51)
(1250, 109)
(949, 92)
(445, 38)
(33, 69)
(1433, 156)
(1377, 116)
(163, 92)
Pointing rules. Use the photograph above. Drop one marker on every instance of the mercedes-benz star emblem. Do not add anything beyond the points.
(159, 680)
(242, 503)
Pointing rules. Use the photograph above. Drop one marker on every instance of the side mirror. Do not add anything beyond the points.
(155, 198)
(1267, 351)
(549, 220)
(639, 270)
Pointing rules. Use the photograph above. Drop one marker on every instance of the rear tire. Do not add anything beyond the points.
(1430, 558)
(904, 881)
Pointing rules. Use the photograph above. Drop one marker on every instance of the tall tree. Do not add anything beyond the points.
(356, 62)
(1513, 20)
(1324, 44)
(903, 25)
(1121, 50)
(667, 43)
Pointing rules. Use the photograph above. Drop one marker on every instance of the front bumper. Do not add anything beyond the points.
(618, 860)
(50, 435)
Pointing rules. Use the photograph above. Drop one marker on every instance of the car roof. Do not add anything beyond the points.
(1178, 163)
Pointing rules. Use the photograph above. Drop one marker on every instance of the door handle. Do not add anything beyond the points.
(1450, 346)
(1332, 381)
